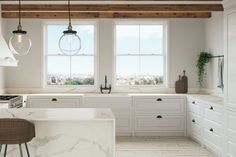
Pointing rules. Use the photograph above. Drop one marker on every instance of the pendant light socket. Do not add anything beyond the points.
(20, 44)
(70, 43)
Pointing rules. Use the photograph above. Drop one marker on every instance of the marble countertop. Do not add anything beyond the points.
(208, 99)
(58, 114)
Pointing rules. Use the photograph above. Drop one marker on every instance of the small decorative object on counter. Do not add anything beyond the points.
(185, 82)
(107, 89)
(181, 86)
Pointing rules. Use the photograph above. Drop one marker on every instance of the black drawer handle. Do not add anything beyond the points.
(211, 130)
(54, 99)
(193, 102)
(193, 121)
(159, 99)
(211, 108)
(159, 117)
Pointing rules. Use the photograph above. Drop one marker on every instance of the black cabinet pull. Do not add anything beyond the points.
(54, 99)
(211, 130)
(211, 108)
(193, 121)
(193, 102)
(159, 99)
(159, 116)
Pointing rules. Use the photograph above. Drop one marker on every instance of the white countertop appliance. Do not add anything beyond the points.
(11, 101)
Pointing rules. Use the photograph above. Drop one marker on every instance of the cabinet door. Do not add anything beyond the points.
(194, 126)
(159, 105)
(231, 58)
(155, 123)
(53, 102)
(118, 105)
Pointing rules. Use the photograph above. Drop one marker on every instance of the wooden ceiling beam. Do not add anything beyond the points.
(117, 7)
(116, 0)
(92, 15)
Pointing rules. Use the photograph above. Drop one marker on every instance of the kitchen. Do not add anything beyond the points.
(142, 78)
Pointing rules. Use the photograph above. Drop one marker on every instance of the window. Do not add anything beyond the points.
(140, 54)
(70, 70)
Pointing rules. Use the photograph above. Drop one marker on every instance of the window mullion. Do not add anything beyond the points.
(139, 53)
(70, 67)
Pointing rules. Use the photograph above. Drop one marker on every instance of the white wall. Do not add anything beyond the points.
(28, 72)
(2, 80)
(186, 40)
(214, 43)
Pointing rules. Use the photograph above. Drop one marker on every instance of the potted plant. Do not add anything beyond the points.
(203, 58)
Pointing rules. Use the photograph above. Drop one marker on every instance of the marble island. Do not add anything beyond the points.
(67, 132)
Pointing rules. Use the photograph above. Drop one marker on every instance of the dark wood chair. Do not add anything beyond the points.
(16, 131)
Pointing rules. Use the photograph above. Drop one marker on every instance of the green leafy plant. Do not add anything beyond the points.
(203, 58)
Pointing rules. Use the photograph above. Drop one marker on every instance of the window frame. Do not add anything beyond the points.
(45, 55)
(165, 53)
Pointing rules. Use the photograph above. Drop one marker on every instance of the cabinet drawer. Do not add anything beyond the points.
(212, 134)
(159, 105)
(160, 123)
(213, 113)
(118, 105)
(218, 129)
(212, 141)
(194, 126)
(194, 119)
(194, 107)
(53, 102)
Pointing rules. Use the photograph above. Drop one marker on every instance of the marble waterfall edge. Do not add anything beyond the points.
(67, 132)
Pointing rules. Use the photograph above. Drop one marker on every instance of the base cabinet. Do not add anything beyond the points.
(230, 133)
(54, 101)
(159, 123)
(159, 116)
(205, 124)
(194, 126)
(120, 106)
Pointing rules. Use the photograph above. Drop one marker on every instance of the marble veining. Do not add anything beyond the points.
(58, 114)
(67, 132)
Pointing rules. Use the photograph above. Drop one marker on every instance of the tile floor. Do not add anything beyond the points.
(159, 147)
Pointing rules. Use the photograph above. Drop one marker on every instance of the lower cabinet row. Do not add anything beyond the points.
(159, 116)
(139, 116)
(212, 127)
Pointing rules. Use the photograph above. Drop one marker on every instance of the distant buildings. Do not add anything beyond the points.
(80, 79)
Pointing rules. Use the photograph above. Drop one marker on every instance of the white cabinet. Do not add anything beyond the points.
(231, 134)
(230, 58)
(194, 126)
(53, 101)
(121, 106)
(159, 115)
(155, 123)
(159, 105)
(212, 136)
(205, 124)
(230, 77)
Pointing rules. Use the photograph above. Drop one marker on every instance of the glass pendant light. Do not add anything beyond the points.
(20, 43)
(70, 43)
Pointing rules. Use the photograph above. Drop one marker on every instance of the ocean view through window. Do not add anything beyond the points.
(66, 70)
(140, 53)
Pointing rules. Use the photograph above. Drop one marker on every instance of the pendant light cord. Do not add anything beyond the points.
(70, 26)
(19, 25)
